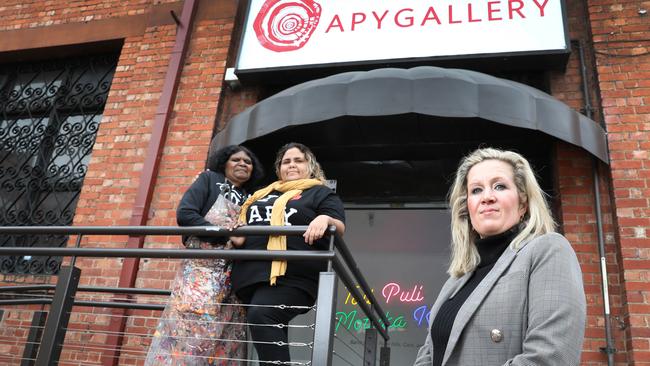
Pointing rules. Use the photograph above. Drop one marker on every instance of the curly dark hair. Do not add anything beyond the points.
(218, 158)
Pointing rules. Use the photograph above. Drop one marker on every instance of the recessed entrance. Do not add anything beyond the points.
(393, 174)
(392, 140)
(402, 159)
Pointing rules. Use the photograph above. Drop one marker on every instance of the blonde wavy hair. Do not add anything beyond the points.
(537, 219)
(315, 171)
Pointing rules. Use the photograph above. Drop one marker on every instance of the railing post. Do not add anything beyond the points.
(384, 356)
(57, 320)
(324, 329)
(370, 347)
(33, 338)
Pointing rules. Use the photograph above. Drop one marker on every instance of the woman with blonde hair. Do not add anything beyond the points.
(515, 294)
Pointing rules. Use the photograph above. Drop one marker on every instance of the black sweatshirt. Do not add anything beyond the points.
(300, 210)
(199, 198)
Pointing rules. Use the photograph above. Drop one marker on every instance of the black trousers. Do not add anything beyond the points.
(265, 294)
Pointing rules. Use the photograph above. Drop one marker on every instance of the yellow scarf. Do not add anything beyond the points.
(289, 190)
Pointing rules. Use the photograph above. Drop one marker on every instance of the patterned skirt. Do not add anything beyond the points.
(203, 323)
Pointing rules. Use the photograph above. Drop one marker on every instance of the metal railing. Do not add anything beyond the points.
(51, 328)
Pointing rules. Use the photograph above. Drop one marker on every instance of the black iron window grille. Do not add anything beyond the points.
(49, 116)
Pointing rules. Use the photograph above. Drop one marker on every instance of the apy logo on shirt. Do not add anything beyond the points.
(256, 216)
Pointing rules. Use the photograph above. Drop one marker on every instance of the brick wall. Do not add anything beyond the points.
(122, 143)
(185, 153)
(19, 14)
(577, 214)
(622, 45)
(111, 184)
(578, 220)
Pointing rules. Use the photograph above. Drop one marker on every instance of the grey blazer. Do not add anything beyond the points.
(529, 309)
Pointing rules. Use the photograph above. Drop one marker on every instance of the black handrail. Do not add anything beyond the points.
(152, 230)
(114, 290)
(205, 231)
(348, 258)
(358, 296)
(172, 253)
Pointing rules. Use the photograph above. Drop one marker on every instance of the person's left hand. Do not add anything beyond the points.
(316, 229)
(237, 241)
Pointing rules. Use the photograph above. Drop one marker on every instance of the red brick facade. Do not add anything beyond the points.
(618, 62)
(621, 42)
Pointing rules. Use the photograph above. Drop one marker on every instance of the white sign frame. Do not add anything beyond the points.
(297, 34)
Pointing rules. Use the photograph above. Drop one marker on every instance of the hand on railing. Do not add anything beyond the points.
(318, 227)
(237, 241)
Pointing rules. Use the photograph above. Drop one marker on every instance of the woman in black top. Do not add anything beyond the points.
(232, 169)
(202, 310)
(297, 198)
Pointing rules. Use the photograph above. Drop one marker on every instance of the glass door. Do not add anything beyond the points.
(404, 255)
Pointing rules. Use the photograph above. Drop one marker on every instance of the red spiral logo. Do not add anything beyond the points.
(286, 25)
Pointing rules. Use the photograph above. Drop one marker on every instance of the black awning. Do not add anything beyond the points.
(425, 90)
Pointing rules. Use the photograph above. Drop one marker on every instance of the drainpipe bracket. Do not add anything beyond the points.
(175, 17)
(608, 350)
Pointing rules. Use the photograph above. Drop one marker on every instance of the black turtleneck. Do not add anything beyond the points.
(489, 249)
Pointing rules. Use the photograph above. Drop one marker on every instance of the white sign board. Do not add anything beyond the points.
(298, 33)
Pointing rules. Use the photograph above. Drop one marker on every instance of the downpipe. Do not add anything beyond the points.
(609, 349)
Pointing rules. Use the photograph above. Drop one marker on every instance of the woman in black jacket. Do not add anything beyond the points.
(203, 311)
(233, 170)
(298, 197)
